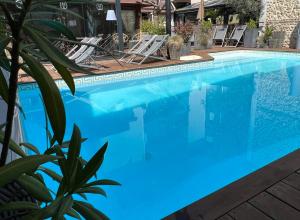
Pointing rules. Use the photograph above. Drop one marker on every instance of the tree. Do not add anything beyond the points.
(246, 9)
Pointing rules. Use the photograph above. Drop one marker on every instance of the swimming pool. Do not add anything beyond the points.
(177, 134)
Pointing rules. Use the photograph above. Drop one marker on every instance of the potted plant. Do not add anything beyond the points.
(266, 37)
(204, 36)
(251, 34)
(185, 31)
(174, 45)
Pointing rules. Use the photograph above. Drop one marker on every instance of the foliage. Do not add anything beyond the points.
(204, 33)
(185, 30)
(206, 26)
(27, 44)
(268, 33)
(175, 42)
(2, 27)
(150, 27)
(251, 24)
(213, 13)
(246, 9)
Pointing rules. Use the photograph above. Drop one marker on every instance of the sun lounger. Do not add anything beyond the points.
(82, 48)
(86, 58)
(220, 35)
(72, 51)
(236, 36)
(151, 51)
(139, 47)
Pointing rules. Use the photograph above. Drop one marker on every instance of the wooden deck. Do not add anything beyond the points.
(112, 66)
(272, 192)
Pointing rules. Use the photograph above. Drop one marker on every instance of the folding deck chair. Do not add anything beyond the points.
(82, 48)
(156, 46)
(220, 34)
(86, 58)
(236, 36)
(138, 47)
(72, 51)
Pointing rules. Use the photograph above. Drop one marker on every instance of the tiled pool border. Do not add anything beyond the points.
(147, 72)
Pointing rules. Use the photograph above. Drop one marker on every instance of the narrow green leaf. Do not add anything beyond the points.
(103, 183)
(82, 195)
(3, 43)
(51, 173)
(13, 146)
(66, 76)
(52, 53)
(3, 87)
(66, 144)
(88, 211)
(65, 206)
(31, 147)
(57, 26)
(4, 61)
(14, 169)
(35, 188)
(73, 154)
(92, 166)
(18, 205)
(51, 96)
(92, 190)
(73, 213)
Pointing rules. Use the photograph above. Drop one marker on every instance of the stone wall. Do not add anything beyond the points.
(284, 16)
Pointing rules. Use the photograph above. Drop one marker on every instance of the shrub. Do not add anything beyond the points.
(175, 42)
(246, 9)
(184, 30)
(251, 24)
(153, 27)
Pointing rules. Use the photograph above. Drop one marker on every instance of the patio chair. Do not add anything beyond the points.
(70, 52)
(142, 44)
(236, 36)
(86, 58)
(153, 49)
(81, 50)
(220, 35)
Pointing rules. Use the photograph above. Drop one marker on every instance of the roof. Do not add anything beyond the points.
(207, 4)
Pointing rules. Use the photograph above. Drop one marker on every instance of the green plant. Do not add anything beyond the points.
(22, 49)
(268, 33)
(246, 9)
(150, 27)
(175, 42)
(185, 30)
(251, 24)
(204, 34)
(206, 26)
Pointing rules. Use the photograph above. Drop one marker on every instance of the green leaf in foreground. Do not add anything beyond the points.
(35, 188)
(14, 169)
(88, 211)
(18, 205)
(51, 96)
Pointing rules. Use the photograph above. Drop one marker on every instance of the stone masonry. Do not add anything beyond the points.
(284, 16)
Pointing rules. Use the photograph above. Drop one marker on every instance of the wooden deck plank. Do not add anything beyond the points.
(286, 193)
(293, 180)
(219, 203)
(226, 217)
(247, 212)
(274, 208)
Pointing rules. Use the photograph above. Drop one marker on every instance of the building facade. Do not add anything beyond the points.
(283, 16)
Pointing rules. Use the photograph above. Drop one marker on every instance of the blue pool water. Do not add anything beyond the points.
(182, 132)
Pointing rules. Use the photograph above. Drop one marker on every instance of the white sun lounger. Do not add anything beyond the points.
(151, 51)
